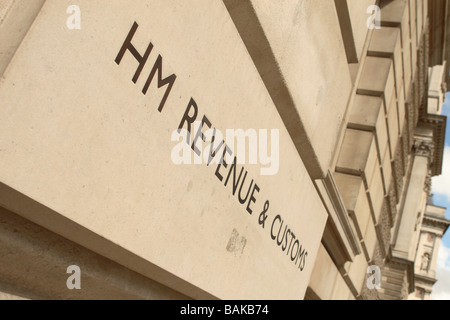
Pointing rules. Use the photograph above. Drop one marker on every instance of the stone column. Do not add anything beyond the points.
(434, 257)
(404, 247)
(433, 227)
(401, 263)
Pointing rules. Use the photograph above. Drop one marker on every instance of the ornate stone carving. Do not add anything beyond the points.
(393, 203)
(385, 226)
(399, 172)
(424, 266)
(411, 125)
(421, 75)
(427, 186)
(424, 148)
(418, 221)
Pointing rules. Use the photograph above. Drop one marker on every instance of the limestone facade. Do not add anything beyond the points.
(354, 89)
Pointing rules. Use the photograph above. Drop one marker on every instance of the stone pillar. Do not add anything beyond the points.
(399, 270)
(403, 246)
(433, 228)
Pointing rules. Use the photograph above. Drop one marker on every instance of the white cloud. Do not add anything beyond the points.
(441, 184)
(441, 290)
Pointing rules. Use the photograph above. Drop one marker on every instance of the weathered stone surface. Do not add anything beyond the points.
(366, 292)
(358, 17)
(34, 265)
(324, 275)
(401, 111)
(376, 193)
(414, 36)
(398, 172)
(405, 148)
(309, 86)
(353, 271)
(385, 226)
(386, 170)
(87, 155)
(87, 152)
(377, 79)
(419, 17)
(396, 14)
(354, 196)
(326, 280)
(367, 113)
(386, 42)
(370, 240)
(358, 156)
(411, 124)
(393, 127)
(16, 17)
(393, 200)
(409, 217)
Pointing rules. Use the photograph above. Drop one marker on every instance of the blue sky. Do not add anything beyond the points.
(441, 191)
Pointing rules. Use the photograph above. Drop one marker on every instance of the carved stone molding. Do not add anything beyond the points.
(439, 124)
(427, 186)
(424, 148)
(437, 224)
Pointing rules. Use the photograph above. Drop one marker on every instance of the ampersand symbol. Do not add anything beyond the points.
(263, 216)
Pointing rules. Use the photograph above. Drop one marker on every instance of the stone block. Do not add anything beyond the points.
(396, 14)
(376, 193)
(377, 78)
(86, 136)
(35, 261)
(407, 73)
(324, 275)
(367, 113)
(358, 155)
(386, 42)
(354, 195)
(370, 240)
(341, 291)
(309, 86)
(356, 271)
(358, 16)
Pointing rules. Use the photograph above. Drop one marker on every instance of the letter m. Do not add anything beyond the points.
(169, 81)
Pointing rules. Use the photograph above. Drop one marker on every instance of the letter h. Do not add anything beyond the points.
(157, 67)
(128, 46)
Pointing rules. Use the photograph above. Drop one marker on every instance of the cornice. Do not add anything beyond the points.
(439, 124)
